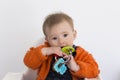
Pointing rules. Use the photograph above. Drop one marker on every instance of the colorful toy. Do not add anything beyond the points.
(59, 65)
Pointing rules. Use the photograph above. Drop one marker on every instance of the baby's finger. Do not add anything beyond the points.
(65, 56)
(60, 54)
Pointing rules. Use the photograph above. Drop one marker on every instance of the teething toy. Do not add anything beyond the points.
(59, 65)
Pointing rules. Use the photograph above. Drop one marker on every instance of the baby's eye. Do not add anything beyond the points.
(65, 35)
(54, 38)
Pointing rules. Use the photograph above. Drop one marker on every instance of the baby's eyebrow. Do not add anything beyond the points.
(64, 32)
(53, 36)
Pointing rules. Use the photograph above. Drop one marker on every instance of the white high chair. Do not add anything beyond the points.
(30, 74)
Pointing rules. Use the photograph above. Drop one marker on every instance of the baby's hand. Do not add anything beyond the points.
(52, 50)
(72, 64)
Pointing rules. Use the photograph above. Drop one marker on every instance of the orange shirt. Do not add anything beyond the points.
(36, 60)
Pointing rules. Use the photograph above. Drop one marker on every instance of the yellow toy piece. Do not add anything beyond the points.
(68, 50)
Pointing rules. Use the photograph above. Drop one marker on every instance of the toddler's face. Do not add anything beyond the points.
(60, 35)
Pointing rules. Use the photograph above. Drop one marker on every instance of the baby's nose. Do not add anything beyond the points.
(61, 41)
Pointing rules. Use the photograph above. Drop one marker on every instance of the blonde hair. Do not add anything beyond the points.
(56, 18)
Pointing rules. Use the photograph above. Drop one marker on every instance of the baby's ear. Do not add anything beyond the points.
(46, 39)
(75, 34)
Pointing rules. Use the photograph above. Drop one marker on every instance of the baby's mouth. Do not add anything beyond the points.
(62, 47)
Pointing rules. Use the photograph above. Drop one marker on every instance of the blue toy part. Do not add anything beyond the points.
(60, 67)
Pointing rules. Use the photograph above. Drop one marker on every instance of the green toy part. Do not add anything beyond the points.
(68, 50)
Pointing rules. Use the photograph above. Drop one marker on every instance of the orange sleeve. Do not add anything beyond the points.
(88, 65)
(34, 57)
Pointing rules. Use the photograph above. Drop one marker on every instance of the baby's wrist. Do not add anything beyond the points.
(74, 66)
(44, 51)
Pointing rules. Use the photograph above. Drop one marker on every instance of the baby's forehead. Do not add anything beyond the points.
(62, 22)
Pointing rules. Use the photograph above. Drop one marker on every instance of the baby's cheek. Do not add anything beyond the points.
(53, 43)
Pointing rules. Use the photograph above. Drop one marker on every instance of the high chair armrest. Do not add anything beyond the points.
(13, 76)
(97, 78)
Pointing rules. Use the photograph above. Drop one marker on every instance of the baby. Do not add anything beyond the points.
(59, 32)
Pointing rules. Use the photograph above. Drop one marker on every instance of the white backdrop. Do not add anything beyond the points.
(97, 23)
